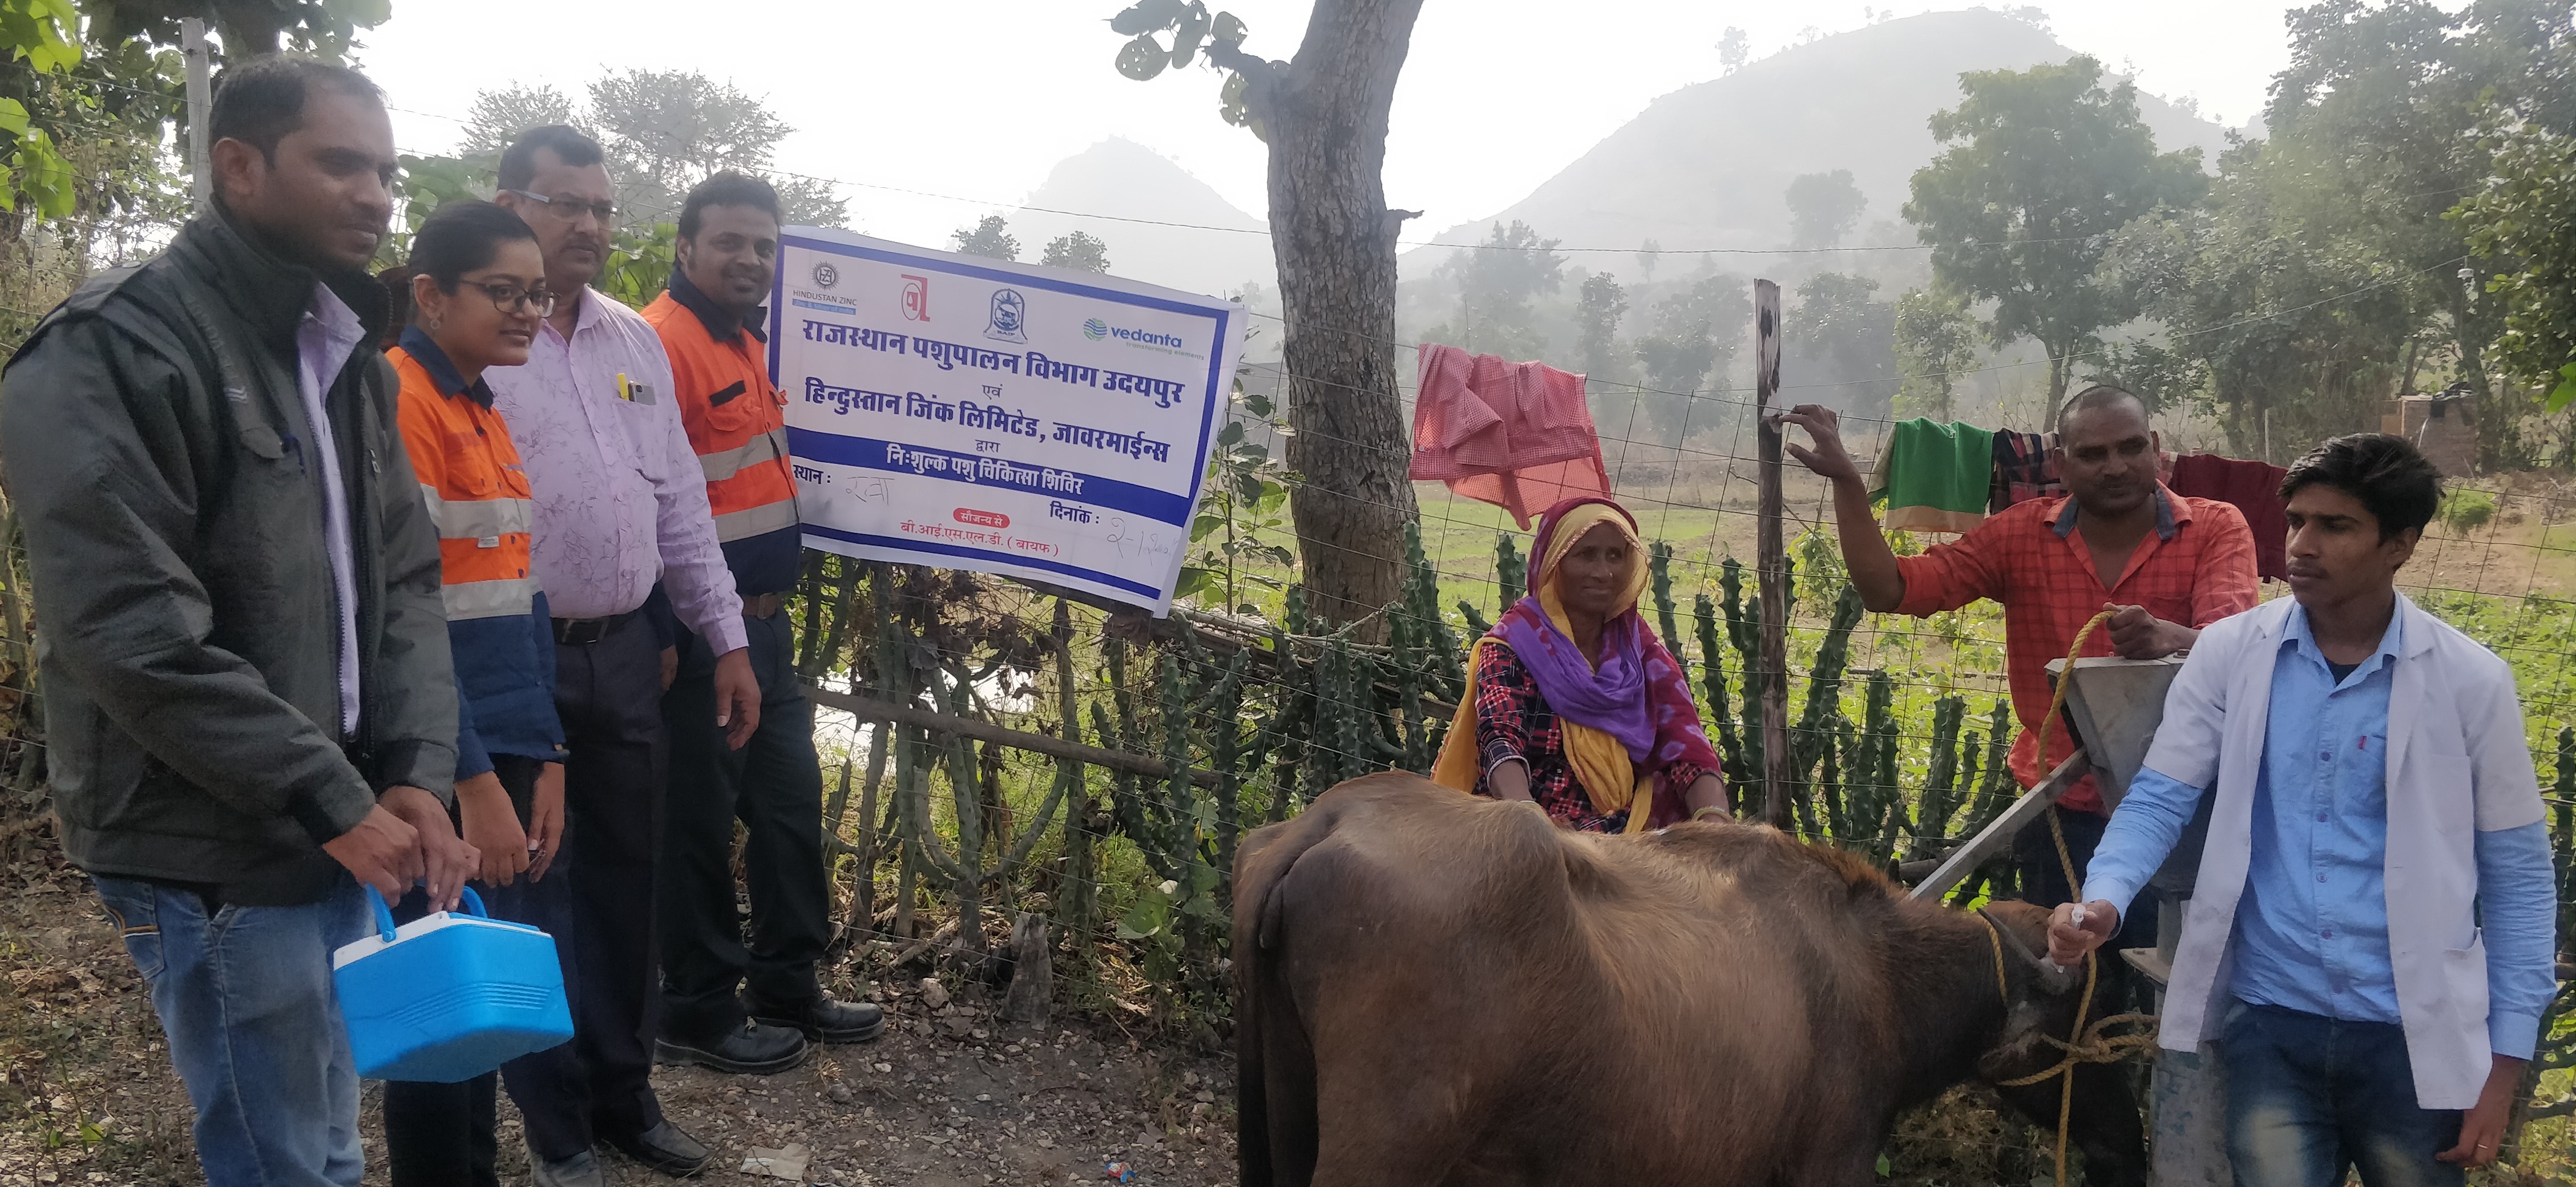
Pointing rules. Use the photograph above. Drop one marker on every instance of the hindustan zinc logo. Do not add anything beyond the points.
(1095, 329)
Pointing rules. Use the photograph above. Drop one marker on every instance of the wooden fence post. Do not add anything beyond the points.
(1773, 557)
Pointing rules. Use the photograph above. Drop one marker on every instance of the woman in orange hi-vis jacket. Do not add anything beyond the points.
(475, 288)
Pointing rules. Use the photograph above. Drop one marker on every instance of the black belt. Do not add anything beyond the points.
(582, 632)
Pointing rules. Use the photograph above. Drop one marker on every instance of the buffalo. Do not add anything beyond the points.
(1437, 989)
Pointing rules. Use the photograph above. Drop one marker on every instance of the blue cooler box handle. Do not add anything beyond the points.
(385, 914)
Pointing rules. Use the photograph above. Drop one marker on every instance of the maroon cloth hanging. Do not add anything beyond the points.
(2253, 488)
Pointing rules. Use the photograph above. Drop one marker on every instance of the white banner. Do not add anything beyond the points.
(967, 413)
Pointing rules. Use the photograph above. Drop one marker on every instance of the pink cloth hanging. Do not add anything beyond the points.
(1517, 435)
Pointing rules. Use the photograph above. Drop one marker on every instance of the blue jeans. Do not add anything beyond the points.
(244, 994)
(2310, 1097)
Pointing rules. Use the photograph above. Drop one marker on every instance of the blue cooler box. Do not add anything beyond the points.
(448, 997)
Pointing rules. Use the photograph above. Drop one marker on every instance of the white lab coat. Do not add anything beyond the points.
(2457, 764)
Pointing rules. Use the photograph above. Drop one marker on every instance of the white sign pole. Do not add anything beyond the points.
(192, 47)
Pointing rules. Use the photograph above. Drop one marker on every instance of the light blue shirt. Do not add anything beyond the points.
(2312, 927)
(324, 341)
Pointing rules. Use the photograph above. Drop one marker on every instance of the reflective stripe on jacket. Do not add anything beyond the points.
(478, 495)
(736, 419)
(476, 491)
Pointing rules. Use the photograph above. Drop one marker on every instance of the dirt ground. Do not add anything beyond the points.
(947, 1098)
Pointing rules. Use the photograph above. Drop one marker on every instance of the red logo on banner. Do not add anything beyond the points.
(916, 298)
(981, 519)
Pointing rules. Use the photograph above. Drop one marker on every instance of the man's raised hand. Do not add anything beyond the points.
(1824, 429)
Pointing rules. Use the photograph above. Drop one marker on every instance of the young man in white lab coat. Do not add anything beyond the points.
(2370, 943)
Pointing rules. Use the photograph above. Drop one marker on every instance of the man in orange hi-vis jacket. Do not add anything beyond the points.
(712, 975)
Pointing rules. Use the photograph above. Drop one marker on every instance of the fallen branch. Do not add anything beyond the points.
(867, 708)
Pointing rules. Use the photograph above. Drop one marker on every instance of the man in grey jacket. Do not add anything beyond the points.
(248, 700)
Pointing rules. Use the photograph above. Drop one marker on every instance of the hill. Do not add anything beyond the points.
(1705, 166)
(1122, 177)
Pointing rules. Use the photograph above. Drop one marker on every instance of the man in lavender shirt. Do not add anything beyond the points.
(620, 501)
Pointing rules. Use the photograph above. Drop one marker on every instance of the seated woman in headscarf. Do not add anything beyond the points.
(1573, 702)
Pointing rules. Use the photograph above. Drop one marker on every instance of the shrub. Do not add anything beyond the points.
(2465, 511)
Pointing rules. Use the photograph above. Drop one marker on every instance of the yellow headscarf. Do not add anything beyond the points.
(1600, 763)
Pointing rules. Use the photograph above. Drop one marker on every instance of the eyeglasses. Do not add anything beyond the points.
(510, 298)
(570, 209)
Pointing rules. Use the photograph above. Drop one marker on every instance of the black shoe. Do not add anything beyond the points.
(827, 1020)
(664, 1148)
(580, 1170)
(751, 1049)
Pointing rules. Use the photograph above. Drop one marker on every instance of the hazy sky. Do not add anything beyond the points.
(977, 101)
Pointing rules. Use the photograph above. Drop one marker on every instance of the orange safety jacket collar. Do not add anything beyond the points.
(721, 326)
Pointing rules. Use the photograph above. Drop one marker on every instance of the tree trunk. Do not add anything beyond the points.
(1326, 121)
(2499, 435)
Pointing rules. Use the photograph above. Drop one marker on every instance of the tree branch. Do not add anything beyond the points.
(1260, 75)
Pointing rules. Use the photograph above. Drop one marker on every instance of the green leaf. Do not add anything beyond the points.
(1256, 404)
(13, 117)
(1143, 58)
(1149, 916)
(2565, 392)
(1193, 579)
(1146, 16)
(44, 32)
(1229, 29)
(1883, 1169)
(45, 176)
(1230, 105)
(1185, 42)
(1231, 434)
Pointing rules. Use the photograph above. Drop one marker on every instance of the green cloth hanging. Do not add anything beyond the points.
(1934, 477)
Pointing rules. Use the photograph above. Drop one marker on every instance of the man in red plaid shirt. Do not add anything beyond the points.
(2167, 565)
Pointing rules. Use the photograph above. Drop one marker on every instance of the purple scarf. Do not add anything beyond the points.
(1612, 699)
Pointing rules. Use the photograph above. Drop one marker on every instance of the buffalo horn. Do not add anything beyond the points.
(2053, 981)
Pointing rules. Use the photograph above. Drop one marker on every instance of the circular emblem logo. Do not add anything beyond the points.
(1008, 322)
(826, 276)
(1095, 329)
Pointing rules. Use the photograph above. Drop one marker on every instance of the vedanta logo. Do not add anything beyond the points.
(1147, 337)
(1095, 329)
